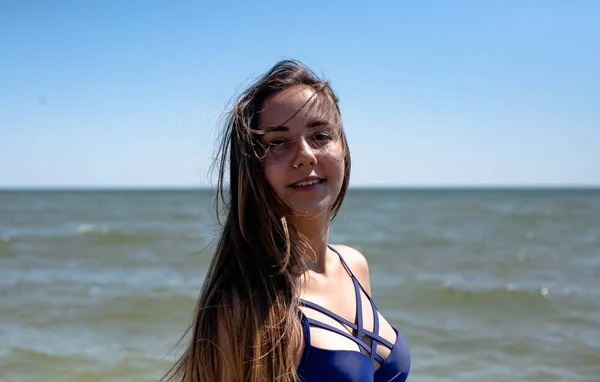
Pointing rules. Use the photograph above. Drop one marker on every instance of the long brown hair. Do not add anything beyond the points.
(249, 301)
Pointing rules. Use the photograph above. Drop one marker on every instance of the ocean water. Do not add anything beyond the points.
(492, 285)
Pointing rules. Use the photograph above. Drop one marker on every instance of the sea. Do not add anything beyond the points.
(483, 284)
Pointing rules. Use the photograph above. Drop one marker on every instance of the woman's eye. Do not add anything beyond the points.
(323, 137)
(277, 142)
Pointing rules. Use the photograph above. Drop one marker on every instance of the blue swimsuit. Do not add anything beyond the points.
(350, 365)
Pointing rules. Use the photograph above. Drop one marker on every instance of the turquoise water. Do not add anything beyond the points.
(497, 285)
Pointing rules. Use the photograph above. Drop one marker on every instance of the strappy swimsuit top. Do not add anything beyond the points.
(319, 364)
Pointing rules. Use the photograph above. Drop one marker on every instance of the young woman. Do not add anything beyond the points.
(279, 302)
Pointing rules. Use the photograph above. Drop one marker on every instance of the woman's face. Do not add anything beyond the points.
(304, 163)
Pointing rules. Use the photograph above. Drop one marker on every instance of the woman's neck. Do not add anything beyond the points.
(316, 232)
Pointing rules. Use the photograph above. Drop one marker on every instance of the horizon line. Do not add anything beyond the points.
(440, 187)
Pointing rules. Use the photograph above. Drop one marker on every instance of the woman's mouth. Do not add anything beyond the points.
(307, 184)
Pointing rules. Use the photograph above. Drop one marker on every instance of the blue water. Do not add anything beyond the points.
(498, 285)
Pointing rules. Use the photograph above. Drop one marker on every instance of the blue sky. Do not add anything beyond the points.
(433, 93)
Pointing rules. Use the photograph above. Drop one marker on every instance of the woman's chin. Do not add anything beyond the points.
(310, 212)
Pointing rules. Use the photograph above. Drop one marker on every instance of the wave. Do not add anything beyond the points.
(91, 228)
(141, 310)
(551, 211)
(127, 365)
(5, 247)
(105, 234)
(436, 241)
(184, 217)
(448, 296)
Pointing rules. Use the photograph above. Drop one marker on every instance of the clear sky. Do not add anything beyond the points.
(433, 93)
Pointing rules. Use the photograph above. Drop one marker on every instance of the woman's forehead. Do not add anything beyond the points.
(296, 103)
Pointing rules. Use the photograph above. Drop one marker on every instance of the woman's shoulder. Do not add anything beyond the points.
(357, 263)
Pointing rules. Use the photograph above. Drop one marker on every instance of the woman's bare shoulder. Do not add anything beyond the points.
(357, 263)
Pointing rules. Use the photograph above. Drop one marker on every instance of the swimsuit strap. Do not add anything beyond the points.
(349, 271)
(358, 326)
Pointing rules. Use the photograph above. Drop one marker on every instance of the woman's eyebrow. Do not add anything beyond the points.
(317, 123)
(310, 125)
(276, 128)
